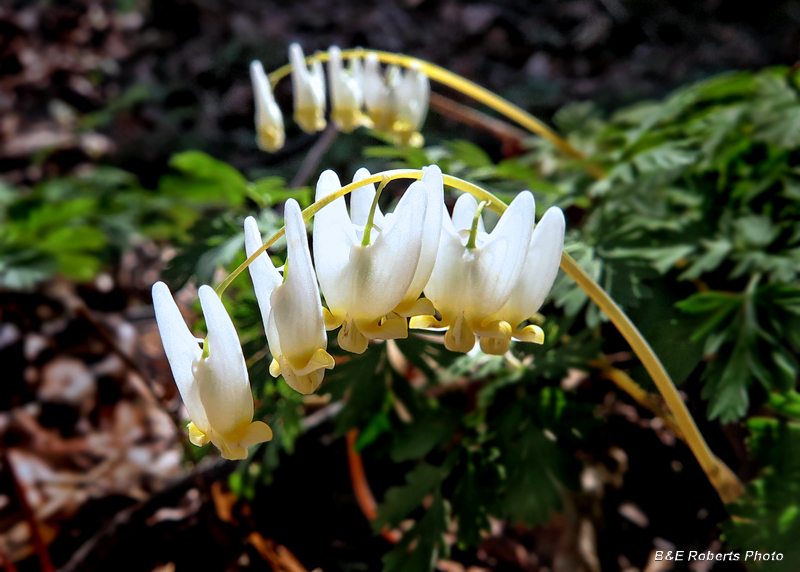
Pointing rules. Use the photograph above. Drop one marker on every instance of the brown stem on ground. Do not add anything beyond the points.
(8, 564)
(366, 501)
(39, 545)
(642, 397)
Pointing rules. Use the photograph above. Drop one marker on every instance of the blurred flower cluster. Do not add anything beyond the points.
(394, 103)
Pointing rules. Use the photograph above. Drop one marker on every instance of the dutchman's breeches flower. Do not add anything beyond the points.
(269, 119)
(538, 275)
(347, 98)
(290, 305)
(213, 381)
(366, 267)
(308, 87)
(476, 272)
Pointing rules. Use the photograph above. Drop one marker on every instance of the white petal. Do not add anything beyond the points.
(345, 88)
(501, 258)
(540, 270)
(182, 351)
(449, 285)
(361, 201)
(384, 270)
(263, 273)
(464, 213)
(333, 238)
(222, 377)
(376, 93)
(296, 306)
(268, 119)
(431, 231)
(308, 87)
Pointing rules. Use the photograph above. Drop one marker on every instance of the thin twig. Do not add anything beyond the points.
(45, 563)
(314, 156)
(642, 397)
(511, 137)
(8, 564)
(358, 477)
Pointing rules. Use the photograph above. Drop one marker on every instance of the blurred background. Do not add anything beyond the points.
(127, 153)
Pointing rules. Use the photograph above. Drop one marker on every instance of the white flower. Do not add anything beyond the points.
(411, 94)
(377, 94)
(476, 272)
(538, 275)
(398, 102)
(363, 284)
(346, 95)
(308, 87)
(269, 120)
(290, 305)
(213, 382)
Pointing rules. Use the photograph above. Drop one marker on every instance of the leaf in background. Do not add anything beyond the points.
(767, 518)
(427, 535)
(431, 429)
(400, 501)
(204, 179)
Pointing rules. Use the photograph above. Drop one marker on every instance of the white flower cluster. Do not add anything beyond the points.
(372, 270)
(361, 96)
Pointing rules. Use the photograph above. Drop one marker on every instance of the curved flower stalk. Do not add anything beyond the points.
(269, 119)
(308, 87)
(347, 97)
(475, 272)
(538, 275)
(290, 306)
(365, 268)
(213, 382)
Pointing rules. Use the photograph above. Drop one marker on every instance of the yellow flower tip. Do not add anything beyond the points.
(320, 360)
(418, 307)
(391, 327)
(275, 368)
(424, 322)
(459, 336)
(407, 138)
(532, 333)
(233, 444)
(349, 119)
(495, 346)
(382, 119)
(310, 119)
(351, 339)
(331, 321)
(197, 437)
(269, 139)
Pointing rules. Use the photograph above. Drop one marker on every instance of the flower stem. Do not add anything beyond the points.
(473, 231)
(371, 217)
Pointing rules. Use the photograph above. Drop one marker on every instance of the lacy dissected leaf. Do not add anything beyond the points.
(535, 436)
(423, 545)
(400, 501)
(361, 380)
(749, 338)
(767, 518)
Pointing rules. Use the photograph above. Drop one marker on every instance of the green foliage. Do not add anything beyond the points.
(767, 518)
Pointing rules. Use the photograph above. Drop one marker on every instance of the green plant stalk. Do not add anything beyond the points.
(465, 86)
(473, 231)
